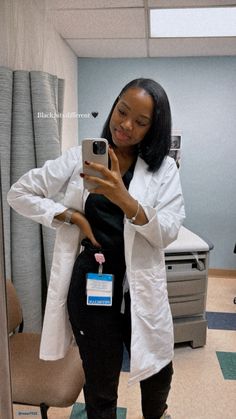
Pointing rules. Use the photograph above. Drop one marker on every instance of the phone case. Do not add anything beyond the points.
(89, 155)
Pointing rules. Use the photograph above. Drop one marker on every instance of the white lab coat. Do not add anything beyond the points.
(43, 193)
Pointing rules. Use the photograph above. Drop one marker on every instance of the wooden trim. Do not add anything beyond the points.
(222, 273)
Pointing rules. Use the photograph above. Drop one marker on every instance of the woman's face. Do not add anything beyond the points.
(131, 118)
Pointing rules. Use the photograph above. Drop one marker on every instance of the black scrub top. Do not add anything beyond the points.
(107, 219)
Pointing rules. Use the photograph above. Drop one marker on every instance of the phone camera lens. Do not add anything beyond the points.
(99, 147)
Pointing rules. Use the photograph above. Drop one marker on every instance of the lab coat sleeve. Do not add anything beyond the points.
(167, 215)
(33, 194)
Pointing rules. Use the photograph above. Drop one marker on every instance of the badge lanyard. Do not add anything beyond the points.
(99, 286)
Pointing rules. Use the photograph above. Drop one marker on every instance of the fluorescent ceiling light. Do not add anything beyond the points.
(194, 22)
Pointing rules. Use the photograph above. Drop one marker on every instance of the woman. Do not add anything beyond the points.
(135, 211)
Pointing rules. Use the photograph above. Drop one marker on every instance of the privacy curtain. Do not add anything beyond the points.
(30, 134)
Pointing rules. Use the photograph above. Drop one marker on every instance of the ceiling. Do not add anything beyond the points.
(120, 29)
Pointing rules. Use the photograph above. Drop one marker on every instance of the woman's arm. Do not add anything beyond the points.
(159, 223)
(32, 195)
(167, 214)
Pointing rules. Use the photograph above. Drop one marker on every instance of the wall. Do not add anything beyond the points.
(202, 93)
(28, 41)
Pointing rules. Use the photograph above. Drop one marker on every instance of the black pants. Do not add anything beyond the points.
(100, 333)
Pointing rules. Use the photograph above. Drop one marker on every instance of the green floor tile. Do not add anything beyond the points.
(227, 362)
(79, 412)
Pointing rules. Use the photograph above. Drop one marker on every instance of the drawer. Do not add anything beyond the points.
(186, 266)
(185, 275)
(186, 287)
(187, 306)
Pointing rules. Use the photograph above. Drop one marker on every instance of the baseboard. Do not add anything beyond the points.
(222, 273)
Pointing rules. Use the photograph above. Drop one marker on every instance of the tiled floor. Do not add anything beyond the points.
(204, 382)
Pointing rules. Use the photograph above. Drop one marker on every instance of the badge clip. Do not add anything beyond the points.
(100, 258)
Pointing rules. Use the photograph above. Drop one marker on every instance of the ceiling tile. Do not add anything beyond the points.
(118, 28)
(185, 47)
(109, 48)
(105, 23)
(189, 3)
(93, 4)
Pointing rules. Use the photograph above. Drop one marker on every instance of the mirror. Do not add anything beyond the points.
(5, 378)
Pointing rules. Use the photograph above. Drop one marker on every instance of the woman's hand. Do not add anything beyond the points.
(81, 221)
(111, 185)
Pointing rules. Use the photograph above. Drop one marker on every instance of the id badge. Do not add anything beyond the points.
(99, 289)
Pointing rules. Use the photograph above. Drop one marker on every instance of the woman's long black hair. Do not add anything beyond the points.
(155, 146)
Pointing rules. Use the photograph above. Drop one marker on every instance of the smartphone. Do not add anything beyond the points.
(94, 150)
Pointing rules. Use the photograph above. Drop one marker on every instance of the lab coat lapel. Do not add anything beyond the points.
(138, 187)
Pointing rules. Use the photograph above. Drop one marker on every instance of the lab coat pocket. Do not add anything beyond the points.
(150, 291)
(65, 250)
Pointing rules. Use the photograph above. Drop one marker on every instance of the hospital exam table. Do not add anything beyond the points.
(187, 261)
